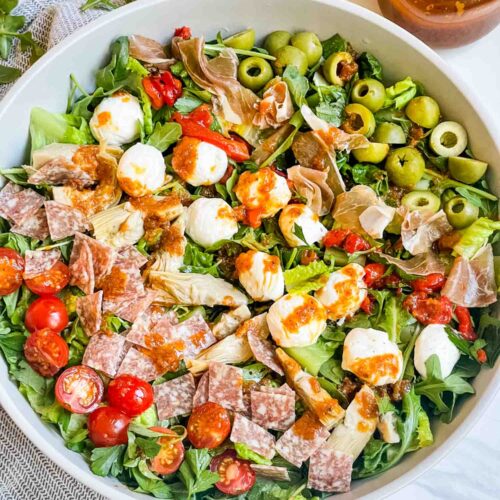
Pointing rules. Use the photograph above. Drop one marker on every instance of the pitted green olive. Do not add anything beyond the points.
(461, 212)
(466, 170)
(421, 200)
(358, 120)
(333, 66)
(448, 139)
(389, 133)
(375, 152)
(369, 92)
(424, 111)
(244, 40)
(254, 72)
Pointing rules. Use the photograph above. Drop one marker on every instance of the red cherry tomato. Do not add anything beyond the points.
(108, 426)
(373, 274)
(11, 271)
(355, 243)
(46, 312)
(184, 32)
(46, 352)
(429, 310)
(431, 283)
(171, 454)
(50, 282)
(236, 475)
(79, 389)
(367, 305)
(335, 237)
(130, 394)
(208, 426)
(392, 281)
(465, 326)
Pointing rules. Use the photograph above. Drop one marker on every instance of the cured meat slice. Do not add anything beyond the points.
(60, 171)
(34, 226)
(225, 386)
(37, 262)
(201, 394)
(175, 397)
(103, 256)
(284, 389)
(124, 281)
(7, 199)
(272, 410)
(64, 221)
(139, 364)
(195, 333)
(104, 353)
(132, 255)
(130, 309)
(89, 310)
(299, 442)
(264, 351)
(19, 204)
(153, 328)
(271, 472)
(330, 471)
(255, 437)
(81, 266)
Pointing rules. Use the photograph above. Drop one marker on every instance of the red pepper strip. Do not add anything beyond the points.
(429, 310)
(335, 237)
(355, 243)
(201, 115)
(433, 282)
(154, 91)
(171, 88)
(373, 275)
(481, 356)
(465, 326)
(184, 32)
(367, 305)
(236, 150)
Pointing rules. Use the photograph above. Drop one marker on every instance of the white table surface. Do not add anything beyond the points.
(472, 469)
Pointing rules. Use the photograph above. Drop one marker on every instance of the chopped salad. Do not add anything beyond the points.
(233, 269)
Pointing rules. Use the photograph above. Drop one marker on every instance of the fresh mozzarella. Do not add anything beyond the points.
(209, 220)
(372, 357)
(433, 339)
(199, 163)
(264, 192)
(260, 275)
(344, 292)
(387, 426)
(141, 170)
(296, 320)
(117, 120)
(298, 218)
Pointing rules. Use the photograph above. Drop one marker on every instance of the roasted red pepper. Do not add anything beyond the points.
(201, 115)
(465, 326)
(481, 356)
(355, 243)
(163, 89)
(335, 237)
(184, 32)
(431, 283)
(153, 89)
(373, 275)
(429, 310)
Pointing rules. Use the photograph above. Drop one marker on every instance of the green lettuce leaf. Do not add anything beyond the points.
(369, 66)
(400, 94)
(165, 135)
(104, 460)
(331, 103)
(246, 453)
(298, 85)
(304, 279)
(423, 436)
(489, 330)
(475, 236)
(198, 261)
(147, 418)
(312, 357)
(334, 44)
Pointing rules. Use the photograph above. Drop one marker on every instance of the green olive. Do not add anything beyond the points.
(461, 212)
(275, 40)
(290, 56)
(447, 195)
(405, 167)
(448, 139)
(254, 72)
(421, 200)
(369, 92)
(389, 133)
(424, 111)
(359, 120)
(394, 227)
(374, 153)
(466, 170)
(308, 43)
(244, 40)
(332, 67)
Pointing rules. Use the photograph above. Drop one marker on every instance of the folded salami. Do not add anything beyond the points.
(18, 204)
(272, 410)
(34, 226)
(139, 364)
(330, 471)
(252, 435)
(89, 310)
(64, 221)
(201, 394)
(175, 397)
(37, 262)
(105, 352)
(225, 386)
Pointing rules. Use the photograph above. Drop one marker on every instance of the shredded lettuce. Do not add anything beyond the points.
(304, 279)
(400, 94)
(475, 236)
(311, 357)
(246, 453)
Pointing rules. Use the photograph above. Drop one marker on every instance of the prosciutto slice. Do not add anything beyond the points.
(149, 51)
(420, 265)
(276, 107)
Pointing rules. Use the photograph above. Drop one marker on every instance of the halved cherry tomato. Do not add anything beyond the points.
(433, 282)
(335, 237)
(51, 281)
(236, 475)
(171, 454)
(208, 426)
(79, 389)
(130, 394)
(46, 352)
(184, 32)
(429, 310)
(46, 312)
(465, 326)
(108, 426)
(373, 274)
(355, 243)
(11, 271)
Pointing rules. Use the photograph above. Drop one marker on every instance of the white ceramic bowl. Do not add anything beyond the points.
(47, 83)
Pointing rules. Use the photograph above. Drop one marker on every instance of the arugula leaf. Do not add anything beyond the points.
(9, 25)
(11, 345)
(246, 453)
(103, 459)
(335, 44)
(489, 330)
(116, 70)
(306, 278)
(149, 446)
(400, 94)
(370, 175)
(464, 346)
(369, 66)
(299, 233)
(9, 74)
(394, 318)
(332, 101)
(165, 135)
(187, 103)
(6, 6)
(149, 483)
(423, 434)
(298, 85)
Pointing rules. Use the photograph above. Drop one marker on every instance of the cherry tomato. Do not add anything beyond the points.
(108, 426)
(130, 394)
(335, 237)
(171, 454)
(11, 271)
(367, 305)
(46, 352)
(236, 475)
(50, 282)
(429, 310)
(46, 312)
(355, 243)
(208, 426)
(433, 282)
(392, 281)
(465, 326)
(184, 32)
(373, 274)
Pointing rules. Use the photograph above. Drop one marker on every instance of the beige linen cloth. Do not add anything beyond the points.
(25, 473)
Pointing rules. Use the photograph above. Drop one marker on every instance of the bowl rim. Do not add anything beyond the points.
(86, 476)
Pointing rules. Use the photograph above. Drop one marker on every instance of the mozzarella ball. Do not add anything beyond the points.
(344, 292)
(372, 357)
(264, 192)
(141, 170)
(260, 275)
(117, 120)
(433, 339)
(199, 163)
(296, 320)
(209, 220)
(297, 216)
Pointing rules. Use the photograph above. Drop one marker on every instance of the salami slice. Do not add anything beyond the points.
(103, 256)
(196, 335)
(59, 171)
(19, 204)
(272, 410)
(264, 351)
(153, 328)
(132, 255)
(252, 435)
(34, 226)
(130, 309)
(225, 386)
(81, 266)
(37, 262)
(7, 199)
(105, 352)
(272, 472)
(284, 389)
(124, 281)
(330, 471)
(89, 310)
(139, 364)
(175, 397)
(64, 220)
(201, 394)
(299, 442)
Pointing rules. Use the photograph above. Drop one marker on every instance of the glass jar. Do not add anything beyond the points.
(444, 23)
